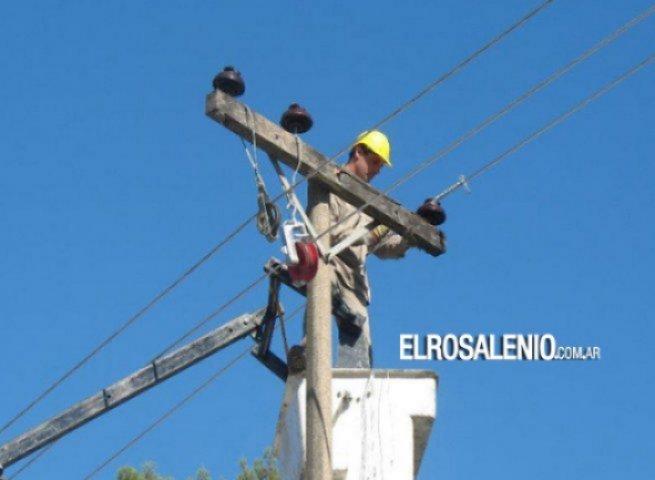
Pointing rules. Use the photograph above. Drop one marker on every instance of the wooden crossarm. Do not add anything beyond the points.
(280, 144)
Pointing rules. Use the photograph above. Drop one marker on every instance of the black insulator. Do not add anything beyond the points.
(432, 212)
(296, 119)
(229, 81)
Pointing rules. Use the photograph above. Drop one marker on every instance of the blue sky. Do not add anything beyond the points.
(113, 182)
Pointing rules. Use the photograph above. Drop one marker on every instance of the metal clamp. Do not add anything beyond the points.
(268, 215)
(293, 200)
(461, 182)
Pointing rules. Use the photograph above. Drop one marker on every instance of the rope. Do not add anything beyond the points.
(252, 156)
(291, 204)
(501, 113)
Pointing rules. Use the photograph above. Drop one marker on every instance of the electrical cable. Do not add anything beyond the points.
(32, 460)
(579, 106)
(128, 323)
(476, 174)
(211, 316)
(241, 227)
(424, 92)
(168, 414)
(177, 406)
(157, 422)
(498, 115)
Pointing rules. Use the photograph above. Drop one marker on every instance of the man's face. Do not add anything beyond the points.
(365, 164)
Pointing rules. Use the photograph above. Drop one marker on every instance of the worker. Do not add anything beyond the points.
(350, 287)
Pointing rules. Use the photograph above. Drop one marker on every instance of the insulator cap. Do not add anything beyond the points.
(296, 119)
(432, 212)
(307, 266)
(229, 81)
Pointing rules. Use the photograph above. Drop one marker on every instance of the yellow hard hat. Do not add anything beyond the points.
(378, 143)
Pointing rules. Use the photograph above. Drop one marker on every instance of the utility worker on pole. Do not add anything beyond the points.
(350, 289)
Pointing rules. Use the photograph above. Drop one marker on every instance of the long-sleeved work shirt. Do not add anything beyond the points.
(350, 264)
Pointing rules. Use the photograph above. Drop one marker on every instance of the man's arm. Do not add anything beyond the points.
(384, 243)
(388, 244)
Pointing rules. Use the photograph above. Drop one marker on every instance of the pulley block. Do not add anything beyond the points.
(301, 252)
(305, 270)
(229, 81)
(296, 119)
(268, 216)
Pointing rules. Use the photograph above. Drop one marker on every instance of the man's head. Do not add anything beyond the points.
(369, 153)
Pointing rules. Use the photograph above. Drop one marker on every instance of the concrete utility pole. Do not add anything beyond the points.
(325, 178)
(319, 349)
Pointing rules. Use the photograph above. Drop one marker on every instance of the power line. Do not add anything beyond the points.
(168, 414)
(241, 227)
(472, 176)
(125, 325)
(212, 315)
(33, 460)
(476, 174)
(177, 406)
(159, 421)
(425, 91)
(501, 113)
(560, 119)
(461, 65)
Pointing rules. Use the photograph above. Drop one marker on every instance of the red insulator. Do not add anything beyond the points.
(296, 119)
(229, 81)
(307, 266)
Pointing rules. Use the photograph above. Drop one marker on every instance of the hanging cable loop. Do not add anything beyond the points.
(268, 213)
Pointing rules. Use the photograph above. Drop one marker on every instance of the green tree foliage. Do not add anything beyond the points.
(264, 468)
(148, 472)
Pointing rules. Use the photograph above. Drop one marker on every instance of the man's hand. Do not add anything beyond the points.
(432, 212)
(377, 234)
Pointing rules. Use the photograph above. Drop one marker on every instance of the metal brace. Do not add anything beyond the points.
(461, 182)
(359, 233)
(293, 200)
(264, 333)
(354, 236)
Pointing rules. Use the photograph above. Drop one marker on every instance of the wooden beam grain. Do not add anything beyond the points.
(128, 387)
(280, 144)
